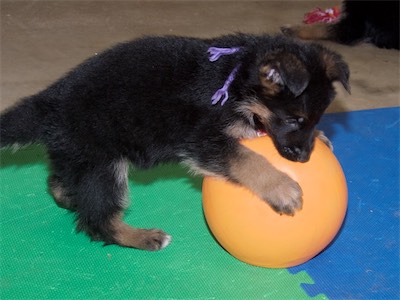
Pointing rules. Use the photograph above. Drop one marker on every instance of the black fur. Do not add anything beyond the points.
(376, 22)
(149, 101)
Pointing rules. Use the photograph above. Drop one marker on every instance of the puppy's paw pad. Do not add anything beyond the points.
(285, 197)
(156, 240)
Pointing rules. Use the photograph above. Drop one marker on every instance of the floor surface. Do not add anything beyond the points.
(41, 40)
(41, 255)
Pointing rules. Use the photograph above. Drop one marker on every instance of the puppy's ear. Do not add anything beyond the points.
(336, 68)
(283, 70)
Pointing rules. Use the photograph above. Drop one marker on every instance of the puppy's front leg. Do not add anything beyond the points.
(252, 170)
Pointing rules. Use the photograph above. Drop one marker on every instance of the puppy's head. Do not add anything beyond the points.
(293, 90)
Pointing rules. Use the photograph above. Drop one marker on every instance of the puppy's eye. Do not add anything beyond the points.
(291, 121)
(294, 121)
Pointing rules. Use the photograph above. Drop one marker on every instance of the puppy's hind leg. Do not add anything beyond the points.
(346, 31)
(99, 195)
(60, 193)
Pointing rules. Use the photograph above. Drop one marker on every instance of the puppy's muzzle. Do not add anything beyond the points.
(296, 153)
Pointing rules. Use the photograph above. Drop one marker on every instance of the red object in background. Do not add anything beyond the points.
(317, 15)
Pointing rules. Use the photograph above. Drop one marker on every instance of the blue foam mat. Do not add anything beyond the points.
(363, 261)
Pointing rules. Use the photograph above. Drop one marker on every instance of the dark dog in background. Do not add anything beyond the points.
(176, 99)
(375, 22)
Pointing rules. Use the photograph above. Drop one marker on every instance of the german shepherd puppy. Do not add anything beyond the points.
(375, 22)
(176, 99)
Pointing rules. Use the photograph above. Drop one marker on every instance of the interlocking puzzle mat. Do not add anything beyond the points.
(42, 256)
(363, 262)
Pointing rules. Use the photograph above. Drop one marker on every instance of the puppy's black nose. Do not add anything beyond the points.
(303, 156)
(296, 154)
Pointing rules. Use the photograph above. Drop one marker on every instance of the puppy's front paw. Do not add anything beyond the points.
(321, 135)
(285, 196)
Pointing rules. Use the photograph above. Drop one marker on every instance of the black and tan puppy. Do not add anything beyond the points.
(375, 22)
(176, 99)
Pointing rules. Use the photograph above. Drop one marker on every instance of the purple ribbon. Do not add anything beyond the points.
(216, 53)
(222, 93)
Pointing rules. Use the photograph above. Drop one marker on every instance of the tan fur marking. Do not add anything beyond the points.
(270, 88)
(195, 169)
(278, 189)
(330, 64)
(241, 130)
(146, 239)
(120, 169)
(254, 107)
(335, 69)
(318, 31)
(58, 193)
(261, 111)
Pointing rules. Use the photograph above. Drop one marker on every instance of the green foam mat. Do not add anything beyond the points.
(42, 256)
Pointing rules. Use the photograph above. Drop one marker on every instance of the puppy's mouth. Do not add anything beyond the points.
(259, 126)
(294, 154)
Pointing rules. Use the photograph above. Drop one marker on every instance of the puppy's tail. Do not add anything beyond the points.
(22, 123)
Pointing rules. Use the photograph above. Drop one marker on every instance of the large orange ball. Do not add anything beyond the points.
(251, 231)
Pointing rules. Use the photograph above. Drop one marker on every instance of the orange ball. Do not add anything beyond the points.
(251, 231)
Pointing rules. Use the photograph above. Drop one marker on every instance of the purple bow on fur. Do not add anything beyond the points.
(216, 53)
(222, 93)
